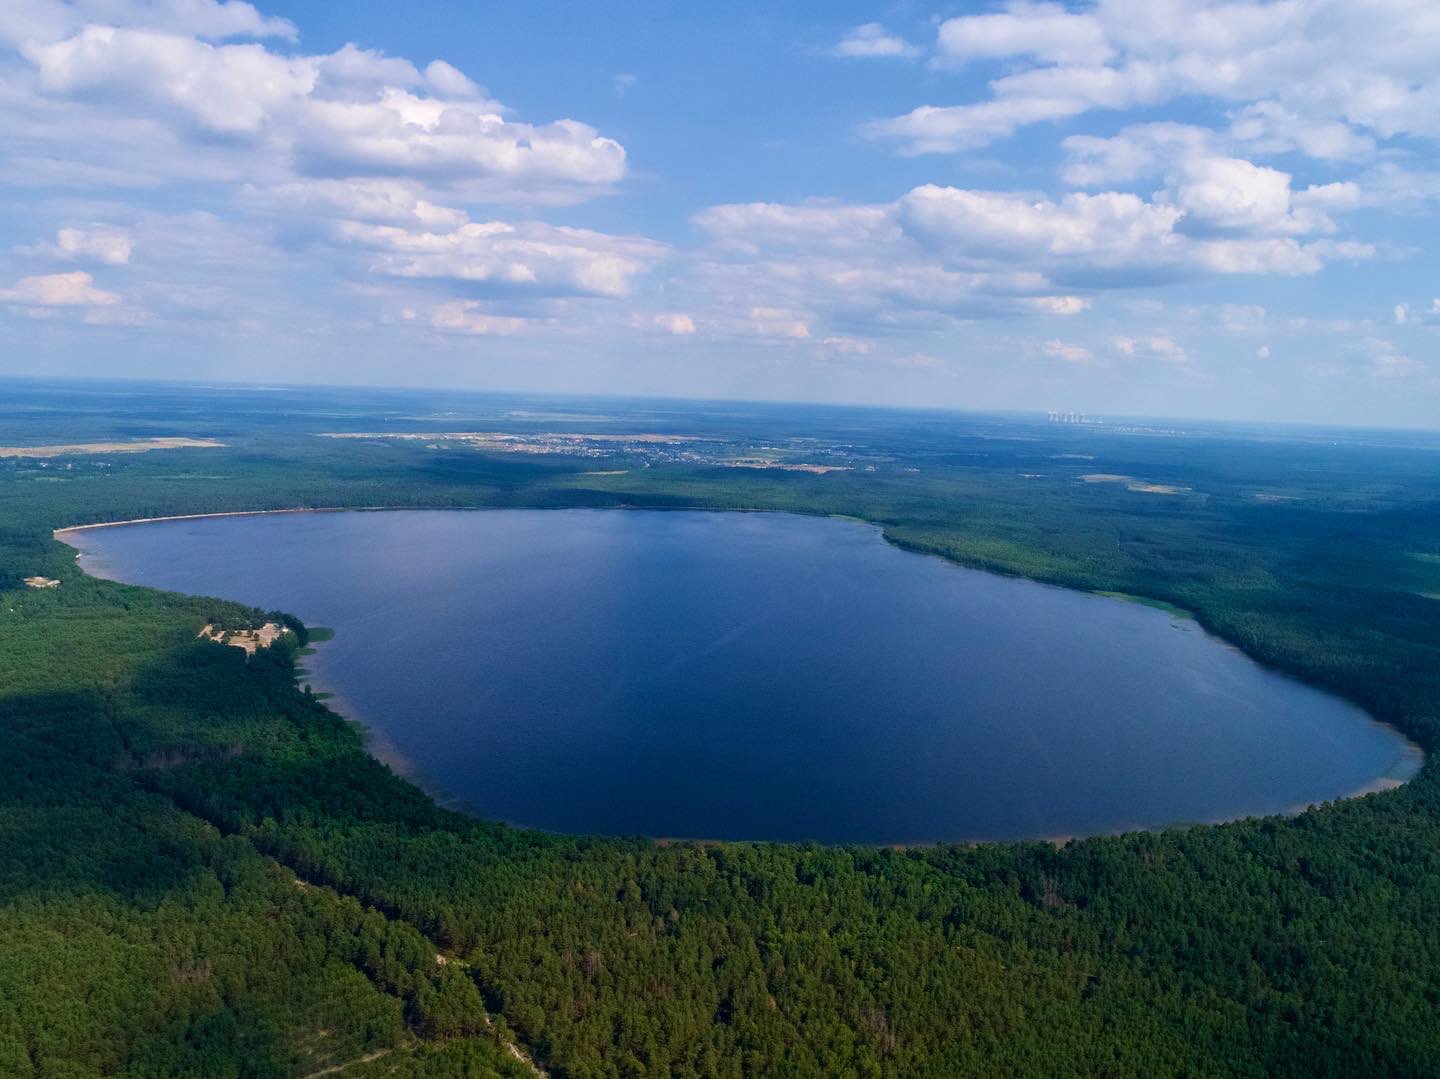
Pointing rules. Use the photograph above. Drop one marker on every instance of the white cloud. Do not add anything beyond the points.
(368, 163)
(466, 145)
(1138, 151)
(1218, 192)
(676, 324)
(349, 114)
(1412, 315)
(1228, 194)
(850, 346)
(1324, 76)
(778, 322)
(1219, 224)
(831, 226)
(502, 258)
(98, 243)
(1060, 305)
(941, 254)
(1154, 346)
(1385, 361)
(213, 20)
(467, 317)
(1274, 129)
(224, 89)
(75, 289)
(111, 246)
(1239, 318)
(1263, 352)
(1103, 230)
(389, 202)
(873, 40)
(1062, 350)
(1044, 32)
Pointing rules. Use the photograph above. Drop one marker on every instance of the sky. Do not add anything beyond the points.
(1123, 207)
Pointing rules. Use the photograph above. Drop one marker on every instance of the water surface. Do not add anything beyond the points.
(762, 676)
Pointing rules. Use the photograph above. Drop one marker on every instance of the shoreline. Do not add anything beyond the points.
(1409, 764)
(375, 741)
(58, 532)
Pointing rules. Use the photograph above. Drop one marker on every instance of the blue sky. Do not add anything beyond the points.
(1124, 207)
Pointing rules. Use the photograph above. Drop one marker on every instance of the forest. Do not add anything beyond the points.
(202, 871)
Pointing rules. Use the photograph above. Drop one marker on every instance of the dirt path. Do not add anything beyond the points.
(507, 1043)
(335, 1068)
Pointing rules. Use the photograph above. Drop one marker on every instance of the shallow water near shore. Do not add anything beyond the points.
(762, 676)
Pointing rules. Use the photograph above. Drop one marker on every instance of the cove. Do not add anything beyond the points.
(761, 676)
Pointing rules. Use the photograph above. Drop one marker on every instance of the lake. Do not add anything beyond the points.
(761, 676)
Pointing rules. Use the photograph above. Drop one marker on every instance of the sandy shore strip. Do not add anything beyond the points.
(59, 532)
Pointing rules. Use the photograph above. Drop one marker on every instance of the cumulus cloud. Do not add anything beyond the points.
(213, 20)
(1060, 305)
(1063, 350)
(1219, 224)
(499, 258)
(373, 162)
(831, 226)
(353, 113)
(1416, 315)
(111, 246)
(1216, 191)
(98, 243)
(850, 346)
(75, 289)
(675, 323)
(778, 322)
(1154, 346)
(467, 317)
(1323, 76)
(1385, 361)
(939, 254)
(387, 192)
(873, 40)
(1046, 33)
(378, 201)
(1274, 129)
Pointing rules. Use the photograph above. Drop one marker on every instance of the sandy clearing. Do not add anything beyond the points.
(502, 437)
(1272, 496)
(1132, 484)
(1156, 488)
(141, 445)
(781, 466)
(251, 640)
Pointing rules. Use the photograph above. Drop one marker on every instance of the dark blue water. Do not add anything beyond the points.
(762, 676)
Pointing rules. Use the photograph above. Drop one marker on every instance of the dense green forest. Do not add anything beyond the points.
(202, 872)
